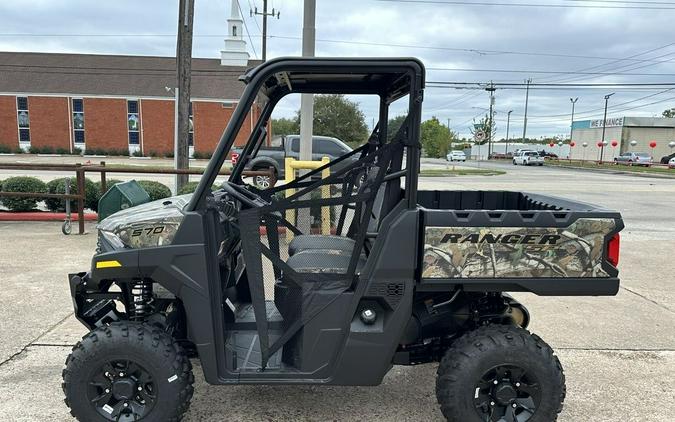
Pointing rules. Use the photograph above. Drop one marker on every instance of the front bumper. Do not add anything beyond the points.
(93, 307)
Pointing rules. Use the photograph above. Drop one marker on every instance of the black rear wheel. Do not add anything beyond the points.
(500, 373)
(127, 372)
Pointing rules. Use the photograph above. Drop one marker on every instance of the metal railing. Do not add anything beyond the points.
(80, 173)
(290, 166)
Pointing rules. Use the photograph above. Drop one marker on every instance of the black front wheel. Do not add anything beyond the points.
(128, 372)
(500, 373)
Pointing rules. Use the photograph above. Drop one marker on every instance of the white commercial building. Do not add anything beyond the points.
(619, 134)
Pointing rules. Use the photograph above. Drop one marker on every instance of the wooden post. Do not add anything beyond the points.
(104, 185)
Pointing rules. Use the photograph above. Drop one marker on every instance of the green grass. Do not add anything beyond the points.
(459, 172)
(611, 167)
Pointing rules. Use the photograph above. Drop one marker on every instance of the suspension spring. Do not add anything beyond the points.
(141, 296)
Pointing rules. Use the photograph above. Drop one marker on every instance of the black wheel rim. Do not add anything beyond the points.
(122, 390)
(506, 393)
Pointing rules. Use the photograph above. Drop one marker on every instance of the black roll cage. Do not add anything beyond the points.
(389, 78)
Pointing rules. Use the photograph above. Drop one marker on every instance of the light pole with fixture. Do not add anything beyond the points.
(604, 124)
(574, 102)
(508, 123)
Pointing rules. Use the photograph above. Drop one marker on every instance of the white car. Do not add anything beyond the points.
(528, 158)
(456, 155)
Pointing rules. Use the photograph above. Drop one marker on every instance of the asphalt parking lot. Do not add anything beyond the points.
(618, 352)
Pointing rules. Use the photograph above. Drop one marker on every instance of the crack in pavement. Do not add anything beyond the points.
(648, 299)
(32, 342)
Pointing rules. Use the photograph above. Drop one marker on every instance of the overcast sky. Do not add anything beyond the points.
(477, 39)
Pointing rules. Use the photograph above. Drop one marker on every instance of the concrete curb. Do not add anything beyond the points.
(43, 216)
(624, 173)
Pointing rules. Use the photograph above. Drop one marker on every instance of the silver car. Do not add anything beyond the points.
(634, 159)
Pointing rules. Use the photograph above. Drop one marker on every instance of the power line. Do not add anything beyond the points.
(563, 6)
(337, 41)
(459, 69)
(247, 31)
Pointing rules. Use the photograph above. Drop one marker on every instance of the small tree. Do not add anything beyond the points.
(285, 126)
(485, 125)
(669, 113)
(436, 138)
(337, 116)
(394, 125)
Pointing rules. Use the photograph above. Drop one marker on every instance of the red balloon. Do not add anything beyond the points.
(551, 144)
(614, 143)
(652, 144)
(572, 144)
(599, 144)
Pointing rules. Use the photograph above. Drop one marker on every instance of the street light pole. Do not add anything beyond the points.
(604, 124)
(574, 102)
(527, 99)
(508, 123)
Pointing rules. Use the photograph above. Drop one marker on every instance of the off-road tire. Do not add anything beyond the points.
(148, 346)
(477, 351)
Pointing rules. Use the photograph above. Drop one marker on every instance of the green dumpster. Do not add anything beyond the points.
(121, 196)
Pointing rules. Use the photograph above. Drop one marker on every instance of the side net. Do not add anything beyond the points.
(307, 247)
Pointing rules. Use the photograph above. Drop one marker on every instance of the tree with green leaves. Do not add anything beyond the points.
(669, 113)
(485, 125)
(285, 126)
(339, 117)
(393, 125)
(436, 138)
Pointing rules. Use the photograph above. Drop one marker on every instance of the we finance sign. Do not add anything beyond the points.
(614, 122)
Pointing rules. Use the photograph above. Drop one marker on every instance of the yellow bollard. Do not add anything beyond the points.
(290, 165)
(325, 193)
(289, 171)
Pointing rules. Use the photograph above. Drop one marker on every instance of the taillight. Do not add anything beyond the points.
(613, 250)
(234, 158)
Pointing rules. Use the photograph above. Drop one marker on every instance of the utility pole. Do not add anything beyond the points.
(574, 102)
(527, 98)
(491, 89)
(183, 71)
(604, 124)
(508, 123)
(264, 14)
(307, 100)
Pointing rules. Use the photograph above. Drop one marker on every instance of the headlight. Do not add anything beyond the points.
(108, 241)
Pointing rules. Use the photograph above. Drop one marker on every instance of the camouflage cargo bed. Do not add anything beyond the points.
(515, 241)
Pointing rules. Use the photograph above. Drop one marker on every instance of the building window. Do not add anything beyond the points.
(78, 120)
(191, 128)
(23, 119)
(228, 104)
(133, 122)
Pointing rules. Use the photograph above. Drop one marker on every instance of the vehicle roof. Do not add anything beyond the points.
(387, 76)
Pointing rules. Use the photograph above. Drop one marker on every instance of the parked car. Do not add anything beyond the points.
(456, 155)
(289, 146)
(671, 163)
(666, 159)
(634, 159)
(528, 158)
(547, 154)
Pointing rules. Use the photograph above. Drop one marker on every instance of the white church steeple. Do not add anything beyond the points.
(235, 53)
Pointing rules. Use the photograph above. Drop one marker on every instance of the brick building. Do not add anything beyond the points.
(111, 104)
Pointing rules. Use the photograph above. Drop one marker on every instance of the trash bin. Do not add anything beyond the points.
(121, 196)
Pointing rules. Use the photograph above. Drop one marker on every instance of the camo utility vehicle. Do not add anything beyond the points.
(332, 281)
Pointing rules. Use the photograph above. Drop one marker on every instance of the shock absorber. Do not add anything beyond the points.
(141, 296)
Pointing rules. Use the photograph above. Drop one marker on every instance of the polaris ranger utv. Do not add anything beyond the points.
(332, 281)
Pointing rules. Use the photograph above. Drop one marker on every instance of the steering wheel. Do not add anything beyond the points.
(243, 195)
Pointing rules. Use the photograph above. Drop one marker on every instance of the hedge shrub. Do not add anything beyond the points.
(192, 186)
(22, 184)
(156, 190)
(4, 149)
(91, 194)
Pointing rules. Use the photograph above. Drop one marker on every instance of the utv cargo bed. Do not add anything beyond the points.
(516, 241)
